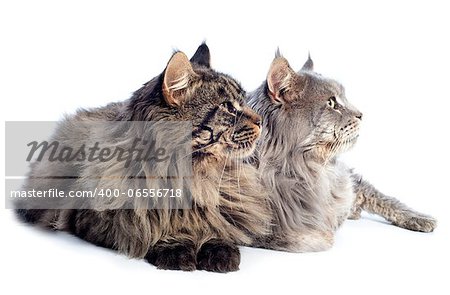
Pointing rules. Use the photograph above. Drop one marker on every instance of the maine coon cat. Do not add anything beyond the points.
(229, 205)
(307, 124)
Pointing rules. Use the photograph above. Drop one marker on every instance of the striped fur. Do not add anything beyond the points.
(229, 204)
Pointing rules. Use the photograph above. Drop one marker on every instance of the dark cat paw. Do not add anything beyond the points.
(174, 255)
(418, 222)
(218, 256)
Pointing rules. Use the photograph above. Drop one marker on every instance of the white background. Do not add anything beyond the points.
(393, 58)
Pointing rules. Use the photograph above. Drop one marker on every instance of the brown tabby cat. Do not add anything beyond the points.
(307, 124)
(228, 204)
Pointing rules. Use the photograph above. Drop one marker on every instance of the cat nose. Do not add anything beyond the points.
(359, 116)
(252, 116)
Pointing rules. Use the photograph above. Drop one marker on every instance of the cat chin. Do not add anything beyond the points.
(349, 143)
(331, 149)
(346, 146)
(241, 152)
(353, 138)
(227, 152)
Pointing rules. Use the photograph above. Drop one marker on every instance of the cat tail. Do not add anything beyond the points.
(369, 199)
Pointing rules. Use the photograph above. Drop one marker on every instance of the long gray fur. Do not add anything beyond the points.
(307, 124)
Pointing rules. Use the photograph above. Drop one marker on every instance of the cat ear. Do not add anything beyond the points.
(279, 79)
(202, 56)
(176, 78)
(309, 65)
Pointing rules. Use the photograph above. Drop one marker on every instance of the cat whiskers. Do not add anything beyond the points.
(223, 170)
(197, 150)
(240, 163)
(228, 154)
(335, 147)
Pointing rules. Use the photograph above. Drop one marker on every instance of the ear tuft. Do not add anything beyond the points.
(202, 56)
(278, 53)
(279, 79)
(177, 75)
(309, 65)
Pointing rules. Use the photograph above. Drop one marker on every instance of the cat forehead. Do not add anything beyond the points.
(321, 83)
(221, 84)
(324, 85)
(210, 75)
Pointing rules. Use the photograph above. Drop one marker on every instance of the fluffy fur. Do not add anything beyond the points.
(307, 124)
(229, 205)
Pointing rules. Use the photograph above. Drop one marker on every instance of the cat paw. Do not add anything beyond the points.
(318, 241)
(218, 256)
(355, 215)
(173, 256)
(418, 222)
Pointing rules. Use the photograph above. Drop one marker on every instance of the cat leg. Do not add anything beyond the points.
(356, 210)
(368, 198)
(299, 242)
(173, 254)
(218, 256)
(42, 217)
(121, 230)
(313, 241)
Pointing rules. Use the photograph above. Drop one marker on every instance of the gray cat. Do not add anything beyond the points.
(307, 124)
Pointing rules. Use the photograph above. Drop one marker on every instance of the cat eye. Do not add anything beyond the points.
(230, 107)
(332, 103)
